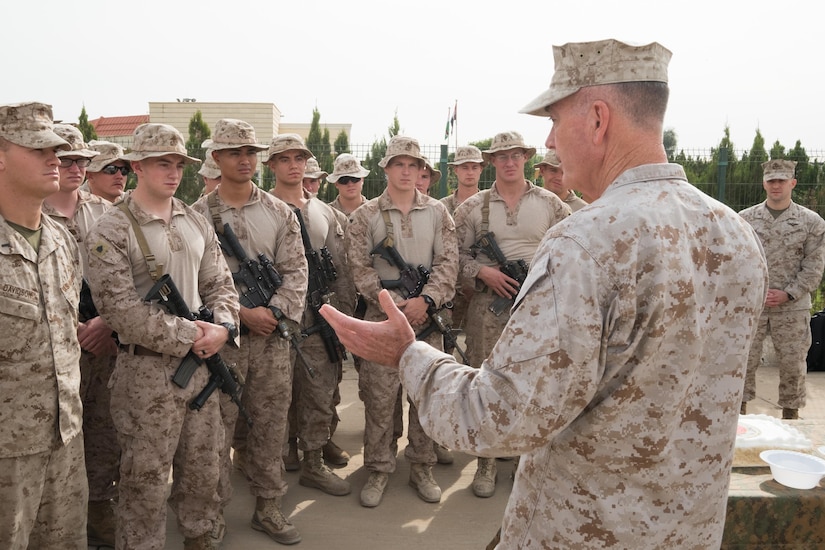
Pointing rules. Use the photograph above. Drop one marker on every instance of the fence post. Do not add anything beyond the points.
(722, 170)
(445, 172)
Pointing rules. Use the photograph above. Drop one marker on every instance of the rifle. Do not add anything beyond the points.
(411, 282)
(321, 272)
(262, 281)
(86, 308)
(515, 269)
(222, 376)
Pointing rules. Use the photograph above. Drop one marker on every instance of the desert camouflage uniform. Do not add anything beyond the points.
(156, 429)
(425, 236)
(619, 375)
(264, 225)
(794, 245)
(336, 204)
(450, 202)
(575, 202)
(518, 233)
(43, 487)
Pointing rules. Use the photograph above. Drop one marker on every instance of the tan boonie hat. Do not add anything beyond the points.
(109, 153)
(347, 165)
(313, 170)
(231, 133)
(550, 159)
(582, 64)
(287, 142)
(401, 146)
(209, 169)
(467, 153)
(75, 139)
(778, 169)
(30, 125)
(506, 141)
(436, 174)
(152, 140)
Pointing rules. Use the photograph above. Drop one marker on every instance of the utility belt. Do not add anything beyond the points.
(135, 349)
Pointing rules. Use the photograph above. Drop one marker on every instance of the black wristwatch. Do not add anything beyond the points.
(232, 329)
(430, 301)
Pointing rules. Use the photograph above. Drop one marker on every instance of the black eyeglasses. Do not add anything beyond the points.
(81, 162)
(346, 180)
(111, 169)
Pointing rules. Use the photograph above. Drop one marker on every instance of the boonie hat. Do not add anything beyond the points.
(778, 169)
(287, 142)
(30, 125)
(73, 136)
(109, 153)
(582, 64)
(506, 141)
(231, 133)
(346, 164)
(436, 174)
(153, 140)
(313, 170)
(209, 169)
(467, 153)
(550, 159)
(401, 146)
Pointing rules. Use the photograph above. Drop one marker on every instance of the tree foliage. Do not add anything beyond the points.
(376, 182)
(85, 126)
(190, 187)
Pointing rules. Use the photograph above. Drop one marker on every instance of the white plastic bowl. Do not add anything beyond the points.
(795, 470)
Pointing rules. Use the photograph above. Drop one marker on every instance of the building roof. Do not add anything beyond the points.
(117, 125)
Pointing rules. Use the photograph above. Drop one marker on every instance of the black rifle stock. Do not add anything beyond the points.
(222, 376)
(515, 269)
(86, 308)
(260, 278)
(291, 332)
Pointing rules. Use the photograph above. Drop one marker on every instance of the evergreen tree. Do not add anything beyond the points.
(375, 182)
(85, 127)
(190, 188)
(341, 144)
(669, 140)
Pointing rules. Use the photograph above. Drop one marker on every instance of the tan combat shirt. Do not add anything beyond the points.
(39, 352)
(619, 375)
(89, 208)
(119, 276)
(794, 245)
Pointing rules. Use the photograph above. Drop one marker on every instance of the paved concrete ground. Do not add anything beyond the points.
(403, 521)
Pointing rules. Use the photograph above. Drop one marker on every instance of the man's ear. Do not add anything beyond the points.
(600, 114)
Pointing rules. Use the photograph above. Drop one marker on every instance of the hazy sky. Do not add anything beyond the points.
(746, 65)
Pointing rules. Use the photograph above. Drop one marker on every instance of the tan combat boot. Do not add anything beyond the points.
(314, 473)
(291, 461)
(100, 526)
(484, 481)
(203, 542)
(335, 455)
(269, 519)
(373, 490)
(442, 454)
(421, 479)
(790, 414)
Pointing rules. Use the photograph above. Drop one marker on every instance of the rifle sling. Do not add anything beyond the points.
(155, 270)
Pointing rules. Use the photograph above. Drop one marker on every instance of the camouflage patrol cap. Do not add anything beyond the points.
(73, 136)
(550, 159)
(436, 174)
(467, 153)
(30, 125)
(401, 146)
(152, 140)
(209, 169)
(505, 141)
(778, 169)
(313, 170)
(347, 165)
(583, 64)
(109, 153)
(287, 142)
(231, 133)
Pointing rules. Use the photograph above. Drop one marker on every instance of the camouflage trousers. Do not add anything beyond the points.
(264, 363)
(485, 329)
(99, 435)
(791, 335)
(314, 397)
(157, 431)
(44, 498)
(379, 387)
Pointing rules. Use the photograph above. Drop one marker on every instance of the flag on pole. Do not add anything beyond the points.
(449, 124)
(451, 120)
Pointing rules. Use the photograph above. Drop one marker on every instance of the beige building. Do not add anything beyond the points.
(265, 117)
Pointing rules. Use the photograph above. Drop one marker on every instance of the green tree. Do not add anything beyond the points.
(669, 139)
(85, 127)
(190, 188)
(375, 182)
(341, 144)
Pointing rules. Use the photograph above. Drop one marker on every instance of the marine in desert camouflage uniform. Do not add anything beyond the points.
(43, 488)
(77, 210)
(467, 165)
(794, 241)
(348, 176)
(423, 233)
(552, 174)
(518, 213)
(263, 225)
(155, 426)
(106, 175)
(619, 375)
